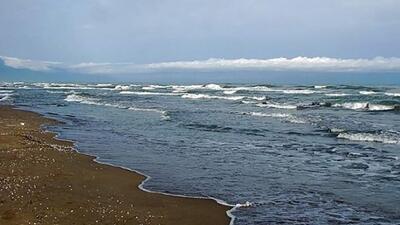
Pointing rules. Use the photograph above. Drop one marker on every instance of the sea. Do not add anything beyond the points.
(277, 154)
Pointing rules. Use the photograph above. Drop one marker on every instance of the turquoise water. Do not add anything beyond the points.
(284, 154)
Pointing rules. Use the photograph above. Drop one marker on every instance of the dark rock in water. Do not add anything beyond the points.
(327, 104)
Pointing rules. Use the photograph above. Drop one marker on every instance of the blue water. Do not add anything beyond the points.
(296, 154)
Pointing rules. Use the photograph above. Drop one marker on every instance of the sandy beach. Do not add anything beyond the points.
(44, 181)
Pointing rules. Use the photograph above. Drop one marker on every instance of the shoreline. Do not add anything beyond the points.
(204, 207)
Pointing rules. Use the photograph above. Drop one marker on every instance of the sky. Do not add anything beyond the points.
(127, 37)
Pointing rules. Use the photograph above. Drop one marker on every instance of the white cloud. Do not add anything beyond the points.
(17, 63)
(321, 64)
(318, 64)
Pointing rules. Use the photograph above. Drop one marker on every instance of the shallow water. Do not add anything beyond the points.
(298, 154)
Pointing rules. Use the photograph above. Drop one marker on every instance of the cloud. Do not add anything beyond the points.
(315, 64)
(17, 63)
(318, 64)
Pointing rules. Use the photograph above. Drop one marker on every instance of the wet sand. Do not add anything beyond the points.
(44, 181)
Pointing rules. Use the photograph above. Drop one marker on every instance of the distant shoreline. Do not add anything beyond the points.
(41, 185)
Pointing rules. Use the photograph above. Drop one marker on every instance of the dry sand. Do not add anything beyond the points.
(44, 181)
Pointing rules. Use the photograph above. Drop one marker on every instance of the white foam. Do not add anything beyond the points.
(152, 87)
(277, 106)
(303, 92)
(213, 87)
(164, 114)
(186, 88)
(68, 86)
(145, 93)
(364, 106)
(6, 91)
(285, 116)
(255, 88)
(104, 85)
(337, 94)
(336, 130)
(91, 101)
(392, 94)
(81, 99)
(258, 98)
(369, 138)
(368, 92)
(230, 92)
(122, 87)
(374, 107)
(248, 102)
(244, 205)
(55, 92)
(319, 86)
(277, 115)
(5, 97)
(204, 96)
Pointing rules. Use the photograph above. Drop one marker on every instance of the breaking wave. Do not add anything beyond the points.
(336, 94)
(368, 137)
(145, 93)
(284, 116)
(366, 106)
(303, 92)
(368, 92)
(92, 101)
(204, 96)
(5, 97)
(392, 94)
(277, 105)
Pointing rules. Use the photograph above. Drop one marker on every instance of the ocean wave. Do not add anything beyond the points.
(336, 130)
(122, 87)
(319, 86)
(366, 106)
(214, 87)
(258, 98)
(254, 88)
(55, 92)
(5, 96)
(286, 117)
(249, 102)
(393, 94)
(164, 114)
(230, 92)
(153, 87)
(91, 101)
(336, 94)
(204, 96)
(69, 86)
(277, 106)
(6, 91)
(368, 137)
(186, 88)
(145, 93)
(368, 92)
(81, 99)
(247, 204)
(276, 115)
(304, 92)
(105, 85)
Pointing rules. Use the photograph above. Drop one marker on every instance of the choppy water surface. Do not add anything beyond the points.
(296, 154)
